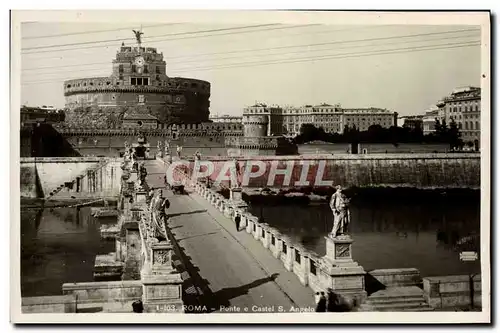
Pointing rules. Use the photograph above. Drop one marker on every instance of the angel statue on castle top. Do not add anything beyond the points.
(138, 35)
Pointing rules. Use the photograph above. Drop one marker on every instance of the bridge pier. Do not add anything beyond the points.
(162, 285)
(138, 254)
(345, 276)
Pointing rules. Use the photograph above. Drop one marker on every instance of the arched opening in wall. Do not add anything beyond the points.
(139, 123)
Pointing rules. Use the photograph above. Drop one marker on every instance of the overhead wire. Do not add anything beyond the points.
(343, 56)
(238, 57)
(319, 58)
(291, 46)
(95, 31)
(79, 54)
(144, 38)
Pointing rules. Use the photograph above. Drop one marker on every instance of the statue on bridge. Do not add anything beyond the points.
(167, 148)
(157, 207)
(339, 205)
(237, 172)
(142, 175)
(159, 150)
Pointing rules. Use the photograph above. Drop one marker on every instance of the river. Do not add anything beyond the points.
(390, 228)
(58, 245)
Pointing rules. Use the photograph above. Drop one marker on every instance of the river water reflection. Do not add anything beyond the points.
(58, 245)
(391, 229)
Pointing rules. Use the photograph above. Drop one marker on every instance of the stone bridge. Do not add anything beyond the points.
(208, 265)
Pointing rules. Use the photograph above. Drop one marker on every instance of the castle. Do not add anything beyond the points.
(140, 100)
(138, 93)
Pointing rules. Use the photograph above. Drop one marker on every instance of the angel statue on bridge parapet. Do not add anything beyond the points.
(237, 171)
(339, 205)
(143, 172)
(158, 207)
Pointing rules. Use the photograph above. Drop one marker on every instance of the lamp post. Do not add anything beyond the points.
(469, 254)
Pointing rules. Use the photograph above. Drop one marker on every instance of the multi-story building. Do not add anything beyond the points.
(44, 114)
(362, 119)
(332, 118)
(429, 120)
(411, 122)
(464, 107)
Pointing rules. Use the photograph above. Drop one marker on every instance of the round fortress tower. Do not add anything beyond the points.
(255, 125)
(138, 81)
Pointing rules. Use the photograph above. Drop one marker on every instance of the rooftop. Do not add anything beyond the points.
(465, 89)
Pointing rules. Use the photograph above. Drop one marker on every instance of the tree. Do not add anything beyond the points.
(443, 129)
(437, 126)
(453, 135)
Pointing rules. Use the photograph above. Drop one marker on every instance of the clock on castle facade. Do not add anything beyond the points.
(139, 78)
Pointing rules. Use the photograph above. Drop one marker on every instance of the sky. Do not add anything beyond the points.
(403, 68)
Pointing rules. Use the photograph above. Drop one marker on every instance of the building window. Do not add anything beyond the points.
(146, 69)
(158, 71)
(139, 81)
(477, 125)
(297, 256)
(120, 68)
(121, 77)
(284, 248)
(134, 69)
(466, 125)
(312, 267)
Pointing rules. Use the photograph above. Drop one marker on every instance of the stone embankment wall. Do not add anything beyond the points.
(30, 183)
(453, 170)
(63, 177)
(373, 148)
(112, 145)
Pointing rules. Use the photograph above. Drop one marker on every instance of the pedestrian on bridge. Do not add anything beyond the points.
(237, 220)
(320, 301)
